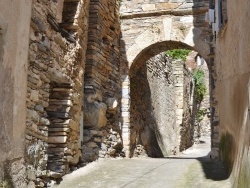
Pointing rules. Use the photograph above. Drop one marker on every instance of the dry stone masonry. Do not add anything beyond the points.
(102, 128)
(54, 96)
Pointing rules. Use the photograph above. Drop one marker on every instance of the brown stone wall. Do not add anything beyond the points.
(58, 39)
(14, 32)
(232, 91)
(102, 86)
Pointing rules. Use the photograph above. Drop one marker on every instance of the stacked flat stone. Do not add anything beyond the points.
(102, 83)
(54, 96)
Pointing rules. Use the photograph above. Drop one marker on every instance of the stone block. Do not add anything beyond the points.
(34, 95)
(148, 7)
(57, 139)
(166, 6)
(95, 114)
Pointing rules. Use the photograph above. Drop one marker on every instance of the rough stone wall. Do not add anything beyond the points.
(102, 131)
(204, 124)
(58, 40)
(14, 32)
(184, 103)
(160, 117)
(232, 56)
(153, 116)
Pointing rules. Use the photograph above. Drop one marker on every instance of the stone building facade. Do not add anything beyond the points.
(66, 68)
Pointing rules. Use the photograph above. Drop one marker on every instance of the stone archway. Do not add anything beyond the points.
(138, 62)
(151, 28)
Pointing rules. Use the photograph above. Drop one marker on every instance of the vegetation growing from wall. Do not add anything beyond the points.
(199, 94)
(176, 54)
(201, 114)
(200, 87)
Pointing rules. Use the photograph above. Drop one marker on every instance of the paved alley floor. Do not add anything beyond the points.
(191, 169)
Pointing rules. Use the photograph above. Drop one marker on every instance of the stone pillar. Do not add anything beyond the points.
(125, 105)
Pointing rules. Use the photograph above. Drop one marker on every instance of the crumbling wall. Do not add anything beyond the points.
(57, 47)
(102, 88)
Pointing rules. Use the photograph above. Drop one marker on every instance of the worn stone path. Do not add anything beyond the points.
(191, 169)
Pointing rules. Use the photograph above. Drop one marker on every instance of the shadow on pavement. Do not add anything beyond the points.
(213, 169)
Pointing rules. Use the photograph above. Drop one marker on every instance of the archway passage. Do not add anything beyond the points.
(153, 116)
(163, 106)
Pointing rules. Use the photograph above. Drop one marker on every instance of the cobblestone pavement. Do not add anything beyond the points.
(191, 169)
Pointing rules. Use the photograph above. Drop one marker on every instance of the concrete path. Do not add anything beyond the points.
(191, 169)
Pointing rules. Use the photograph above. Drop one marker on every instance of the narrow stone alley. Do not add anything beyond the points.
(124, 93)
(191, 169)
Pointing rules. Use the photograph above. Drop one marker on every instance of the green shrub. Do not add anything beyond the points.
(178, 54)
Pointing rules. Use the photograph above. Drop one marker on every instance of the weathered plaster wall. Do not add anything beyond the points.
(14, 32)
(232, 91)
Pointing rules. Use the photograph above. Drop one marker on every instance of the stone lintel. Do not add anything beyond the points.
(194, 11)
